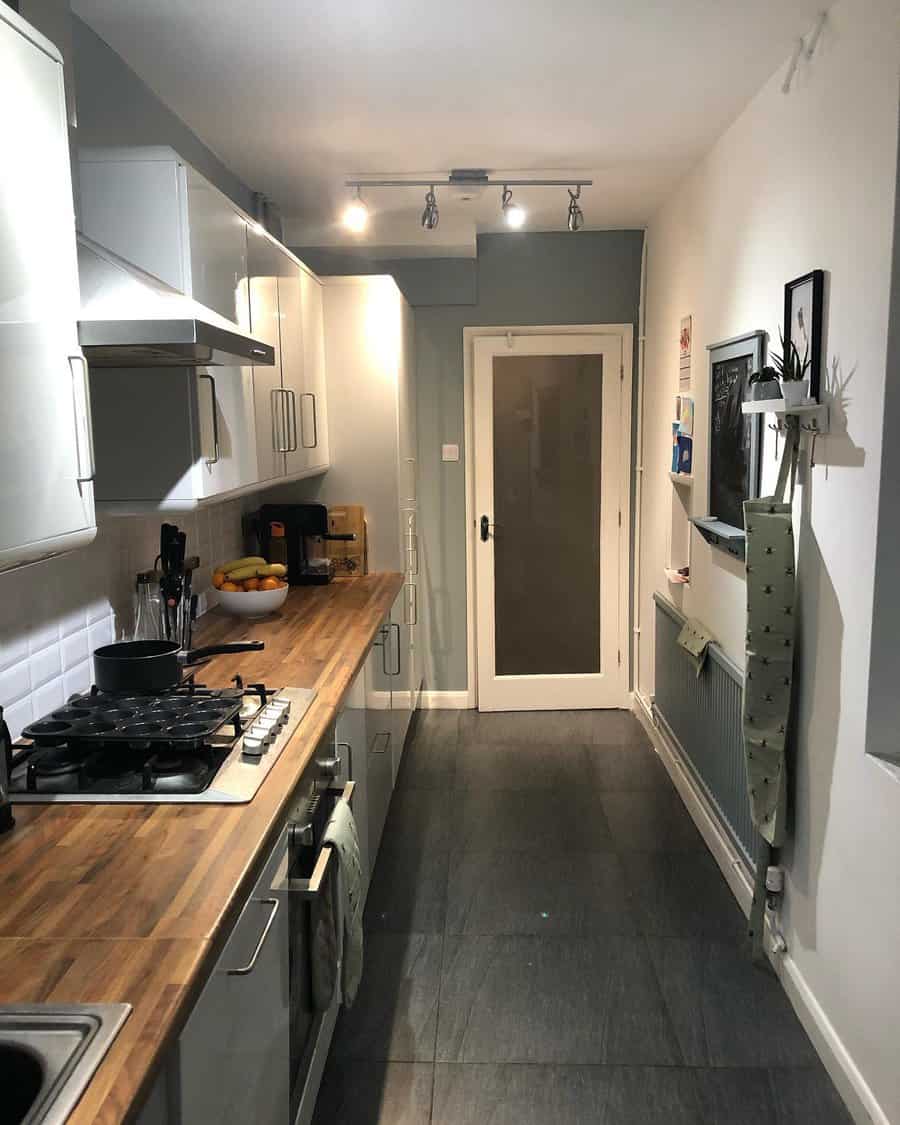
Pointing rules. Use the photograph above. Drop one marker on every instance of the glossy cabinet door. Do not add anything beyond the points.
(290, 310)
(379, 738)
(352, 747)
(46, 482)
(226, 458)
(312, 405)
(217, 248)
(398, 658)
(264, 261)
(233, 1057)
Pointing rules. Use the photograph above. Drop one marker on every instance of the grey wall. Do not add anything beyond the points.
(115, 107)
(884, 669)
(517, 279)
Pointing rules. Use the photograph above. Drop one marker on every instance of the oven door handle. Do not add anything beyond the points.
(311, 887)
(244, 970)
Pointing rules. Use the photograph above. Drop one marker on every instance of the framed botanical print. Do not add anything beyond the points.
(803, 299)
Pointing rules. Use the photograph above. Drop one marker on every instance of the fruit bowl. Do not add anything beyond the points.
(252, 603)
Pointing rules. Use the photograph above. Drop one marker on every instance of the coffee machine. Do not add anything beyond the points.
(301, 522)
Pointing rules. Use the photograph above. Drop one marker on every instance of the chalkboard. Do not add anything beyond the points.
(734, 437)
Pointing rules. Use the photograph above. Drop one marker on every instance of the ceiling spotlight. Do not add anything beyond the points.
(356, 214)
(576, 215)
(430, 216)
(512, 212)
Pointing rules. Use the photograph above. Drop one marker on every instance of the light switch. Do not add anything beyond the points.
(449, 452)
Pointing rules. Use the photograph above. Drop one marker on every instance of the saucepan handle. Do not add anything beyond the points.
(195, 654)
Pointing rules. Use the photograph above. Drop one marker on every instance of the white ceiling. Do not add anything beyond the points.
(294, 95)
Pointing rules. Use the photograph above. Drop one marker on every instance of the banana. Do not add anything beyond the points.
(243, 572)
(256, 570)
(272, 570)
(240, 564)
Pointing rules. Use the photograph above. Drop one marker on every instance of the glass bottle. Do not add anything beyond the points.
(148, 607)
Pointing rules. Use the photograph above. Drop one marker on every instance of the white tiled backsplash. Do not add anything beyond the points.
(53, 614)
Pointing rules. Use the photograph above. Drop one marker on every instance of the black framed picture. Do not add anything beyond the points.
(803, 300)
(735, 438)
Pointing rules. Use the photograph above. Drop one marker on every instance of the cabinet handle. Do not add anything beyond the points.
(395, 625)
(412, 605)
(248, 968)
(412, 553)
(386, 735)
(279, 443)
(315, 440)
(292, 433)
(84, 431)
(215, 419)
(345, 746)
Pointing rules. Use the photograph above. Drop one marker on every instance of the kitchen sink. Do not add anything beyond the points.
(48, 1053)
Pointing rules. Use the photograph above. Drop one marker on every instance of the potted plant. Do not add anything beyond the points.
(764, 385)
(791, 369)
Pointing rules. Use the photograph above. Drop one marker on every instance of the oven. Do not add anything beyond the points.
(305, 871)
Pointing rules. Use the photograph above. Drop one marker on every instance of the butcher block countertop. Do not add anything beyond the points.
(133, 902)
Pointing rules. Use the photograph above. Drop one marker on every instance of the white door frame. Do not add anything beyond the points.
(626, 332)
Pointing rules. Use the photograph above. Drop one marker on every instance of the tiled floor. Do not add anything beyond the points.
(550, 943)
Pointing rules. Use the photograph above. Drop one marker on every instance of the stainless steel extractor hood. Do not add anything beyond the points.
(131, 319)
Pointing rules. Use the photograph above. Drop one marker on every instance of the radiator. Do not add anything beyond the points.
(702, 717)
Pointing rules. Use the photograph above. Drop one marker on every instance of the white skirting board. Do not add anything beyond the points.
(446, 701)
(851, 1085)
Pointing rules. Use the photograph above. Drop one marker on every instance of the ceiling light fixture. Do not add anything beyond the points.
(356, 213)
(430, 216)
(512, 212)
(576, 215)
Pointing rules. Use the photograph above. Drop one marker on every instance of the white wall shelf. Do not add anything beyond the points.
(684, 480)
(676, 579)
(777, 406)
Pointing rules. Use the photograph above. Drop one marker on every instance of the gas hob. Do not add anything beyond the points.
(190, 745)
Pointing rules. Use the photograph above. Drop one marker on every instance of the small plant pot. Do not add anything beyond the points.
(795, 392)
(761, 392)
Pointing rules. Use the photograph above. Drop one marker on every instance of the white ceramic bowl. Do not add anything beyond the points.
(252, 603)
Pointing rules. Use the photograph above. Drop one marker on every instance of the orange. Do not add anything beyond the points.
(231, 587)
(269, 584)
(251, 583)
(218, 578)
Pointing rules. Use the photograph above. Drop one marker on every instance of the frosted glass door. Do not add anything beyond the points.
(548, 423)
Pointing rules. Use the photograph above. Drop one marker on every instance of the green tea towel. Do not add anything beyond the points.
(695, 640)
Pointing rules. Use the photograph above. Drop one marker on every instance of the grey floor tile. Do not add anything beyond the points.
(682, 894)
(631, 767)
(552, 1000)
(408, 890)
(642, 1095)
(418, 820)
(734, 1097)
(497, 765)
(429, 761)
(529, 821)
(380, 1093)
(808, 1095)
(652, 820)
(601, 728)
(486, 1094)
(576, 894)
(725, 1010)
(394, 1015)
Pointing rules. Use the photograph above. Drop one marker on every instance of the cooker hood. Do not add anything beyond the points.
(131, 319)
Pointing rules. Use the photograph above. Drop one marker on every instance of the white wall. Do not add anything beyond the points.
(55, 613)
(800, 182)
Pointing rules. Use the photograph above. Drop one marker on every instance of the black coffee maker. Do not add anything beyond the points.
(301, 522)
(6, 816)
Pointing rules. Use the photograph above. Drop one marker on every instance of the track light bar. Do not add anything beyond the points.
(452, 181)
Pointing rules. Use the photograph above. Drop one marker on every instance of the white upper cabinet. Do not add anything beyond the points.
(46, 492)
(291, 409)
(173, 438)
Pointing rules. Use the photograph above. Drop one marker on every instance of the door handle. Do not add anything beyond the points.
(254, 957)
(486, 528)
(292, 440)
(84, 432)
(396, 671)
(315, 421)
(215, 418)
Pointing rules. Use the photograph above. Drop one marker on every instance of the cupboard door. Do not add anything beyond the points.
(379, 739)
(292, 361)
(46, 489)
(399, 655)
(218, 248)
(312, 407)
(272, 424)
(351, 746)
(234, 1052)
(227, 437)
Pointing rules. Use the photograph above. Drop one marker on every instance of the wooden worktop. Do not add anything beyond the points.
(132, 902)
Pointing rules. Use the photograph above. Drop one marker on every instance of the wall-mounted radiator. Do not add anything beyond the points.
(702, 717)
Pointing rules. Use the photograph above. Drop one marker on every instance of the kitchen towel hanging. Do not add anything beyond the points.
(341, 834)
(695, 640)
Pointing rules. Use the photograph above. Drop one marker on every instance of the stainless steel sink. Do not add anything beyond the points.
(48, 1053)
